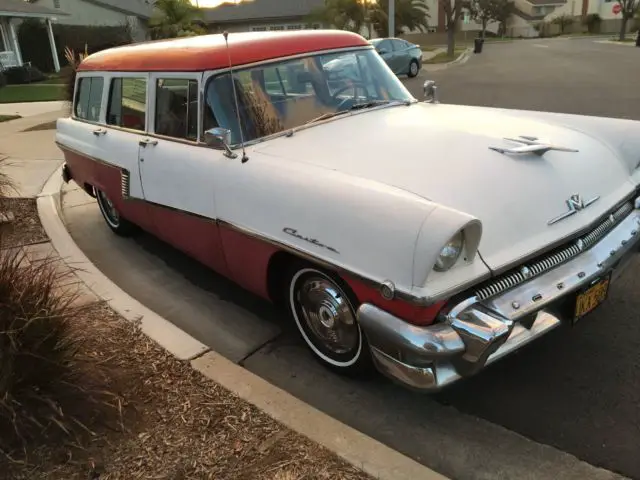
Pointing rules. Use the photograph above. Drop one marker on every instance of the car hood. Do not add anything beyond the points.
(442, 153)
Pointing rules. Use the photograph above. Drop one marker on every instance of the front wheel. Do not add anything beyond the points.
(414, 68)
(326, 319)
(112, 216)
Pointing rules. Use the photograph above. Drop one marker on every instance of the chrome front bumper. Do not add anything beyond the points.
(479, 332)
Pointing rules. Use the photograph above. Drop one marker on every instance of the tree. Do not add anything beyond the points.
(409, 14)
(452, 12)
(175, 18)
(502, 10)
(629, 9)
(341, 14)
(592, 22)
(486, 11)
(563, 21)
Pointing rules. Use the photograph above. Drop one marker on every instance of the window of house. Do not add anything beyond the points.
(89, 98)
(177, 108)
(258, 29)
(276, 27)
(294, 27)
(56, 3)
(128, 103)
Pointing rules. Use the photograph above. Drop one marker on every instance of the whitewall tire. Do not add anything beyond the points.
(112, 216)
(324, 313)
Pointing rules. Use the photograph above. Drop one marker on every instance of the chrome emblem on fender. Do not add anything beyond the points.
(575, 204)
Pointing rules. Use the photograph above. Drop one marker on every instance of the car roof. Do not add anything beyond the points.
(209, 52)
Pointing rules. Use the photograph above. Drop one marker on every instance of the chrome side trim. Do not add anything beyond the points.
(125, 182)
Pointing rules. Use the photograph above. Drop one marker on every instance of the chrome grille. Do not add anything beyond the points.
(543, 264)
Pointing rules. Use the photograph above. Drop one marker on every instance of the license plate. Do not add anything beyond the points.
(592, 297)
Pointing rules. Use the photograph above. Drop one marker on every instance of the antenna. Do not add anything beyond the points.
(235, 98)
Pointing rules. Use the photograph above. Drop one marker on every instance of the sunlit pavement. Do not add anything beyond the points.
(577, 390)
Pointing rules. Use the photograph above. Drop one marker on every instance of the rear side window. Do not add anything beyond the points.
(128, 103)
(177, 108)
(89, 98)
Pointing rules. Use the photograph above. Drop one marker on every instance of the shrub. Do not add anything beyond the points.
(34, 40)
(3, 80)
(48, 391)
(23, 74)
(593, 21)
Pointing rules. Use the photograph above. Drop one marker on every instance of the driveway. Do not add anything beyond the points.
(576, 391)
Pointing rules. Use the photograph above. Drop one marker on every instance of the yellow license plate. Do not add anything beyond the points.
(589, 299)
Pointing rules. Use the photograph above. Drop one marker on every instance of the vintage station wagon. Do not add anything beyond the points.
(424, 239)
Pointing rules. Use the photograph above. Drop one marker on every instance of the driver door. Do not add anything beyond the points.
(386, 51)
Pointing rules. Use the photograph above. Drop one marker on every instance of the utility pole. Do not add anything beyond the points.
(392, 18)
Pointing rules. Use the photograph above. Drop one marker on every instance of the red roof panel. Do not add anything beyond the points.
(208, 52)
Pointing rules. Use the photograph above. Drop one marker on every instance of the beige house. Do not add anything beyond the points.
(12, 12)
(134, 13)
(611, 21)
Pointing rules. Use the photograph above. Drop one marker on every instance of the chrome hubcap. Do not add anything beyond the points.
(327, 313)
(414, 68)
(109, 209)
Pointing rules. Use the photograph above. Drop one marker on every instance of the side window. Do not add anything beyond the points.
(399, 44)
(127, 103)
(89, 98)
(385, 46)
(177, 108)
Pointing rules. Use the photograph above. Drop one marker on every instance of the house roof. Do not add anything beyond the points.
(138, 8)
(209, 52)
(20, 8)
(260, 10)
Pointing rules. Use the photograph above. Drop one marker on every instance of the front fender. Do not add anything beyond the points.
(358, 225)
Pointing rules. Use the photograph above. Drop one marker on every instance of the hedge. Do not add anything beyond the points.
(34, 40)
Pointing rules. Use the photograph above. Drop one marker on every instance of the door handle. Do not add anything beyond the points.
(147, 141)
(100, 131)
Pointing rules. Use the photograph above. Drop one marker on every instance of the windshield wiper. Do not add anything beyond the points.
(326, 116)
(357, 106)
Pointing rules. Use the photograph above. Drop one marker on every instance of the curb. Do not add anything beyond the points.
(462, 58)
(362, 451)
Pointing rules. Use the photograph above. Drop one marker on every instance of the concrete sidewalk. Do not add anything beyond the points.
(31, 109)
(29, 158)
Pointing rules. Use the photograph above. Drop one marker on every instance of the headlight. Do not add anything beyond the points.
(450, 254)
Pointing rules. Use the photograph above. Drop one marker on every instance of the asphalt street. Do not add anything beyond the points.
(575, 391)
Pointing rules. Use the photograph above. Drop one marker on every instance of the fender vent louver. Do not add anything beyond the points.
(125, 184)
(540, 265)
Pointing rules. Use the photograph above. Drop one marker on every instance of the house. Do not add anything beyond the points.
(261, 15)
(134, 13)
(12, 12)
(579, 9)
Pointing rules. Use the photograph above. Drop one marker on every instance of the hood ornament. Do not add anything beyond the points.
(575, 204)
(530, 145)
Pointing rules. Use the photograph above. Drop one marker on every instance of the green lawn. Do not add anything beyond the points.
(31, 93)
(6, 118)
(444, 58)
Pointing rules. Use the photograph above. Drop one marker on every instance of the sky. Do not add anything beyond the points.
(210, 3)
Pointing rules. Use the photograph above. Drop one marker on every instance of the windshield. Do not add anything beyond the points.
(279, 96)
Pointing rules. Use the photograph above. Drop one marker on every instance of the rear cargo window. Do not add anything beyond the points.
(89, 98)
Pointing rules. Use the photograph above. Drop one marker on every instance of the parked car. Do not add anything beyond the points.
(404, 58)
(424, 239)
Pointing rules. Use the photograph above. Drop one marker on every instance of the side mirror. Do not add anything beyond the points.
(382, 51)
(220, 139)
(430, 91)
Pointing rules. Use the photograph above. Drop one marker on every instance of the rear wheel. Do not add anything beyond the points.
(112, 216)
(414, 68)
(324, 312)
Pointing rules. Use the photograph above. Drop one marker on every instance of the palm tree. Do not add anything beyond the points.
(410, 14)
(341, 14)
(175, 18)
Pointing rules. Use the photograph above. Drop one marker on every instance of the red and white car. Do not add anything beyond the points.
(424, 239)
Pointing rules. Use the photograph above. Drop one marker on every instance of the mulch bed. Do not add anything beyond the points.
(25, 229)
(162, 419)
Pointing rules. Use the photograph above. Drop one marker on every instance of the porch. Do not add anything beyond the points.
(11, 13)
